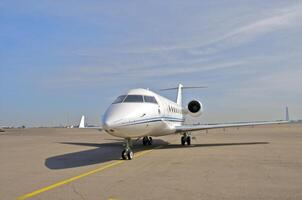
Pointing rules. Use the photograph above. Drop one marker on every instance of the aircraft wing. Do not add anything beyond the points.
(94, 127)
(184, 128)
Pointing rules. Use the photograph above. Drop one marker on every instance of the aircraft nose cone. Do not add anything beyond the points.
(110, 126)
(110, 121)
(107, 124)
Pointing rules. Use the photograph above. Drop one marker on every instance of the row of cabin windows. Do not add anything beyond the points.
(135, 99)
(174, 110)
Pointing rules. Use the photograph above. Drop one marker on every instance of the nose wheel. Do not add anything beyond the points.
(147, 140)
(127, 152)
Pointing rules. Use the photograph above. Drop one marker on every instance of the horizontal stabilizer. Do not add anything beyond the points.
(175, 88)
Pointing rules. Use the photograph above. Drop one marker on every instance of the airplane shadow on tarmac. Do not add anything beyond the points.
(102, 152)
(112, 151)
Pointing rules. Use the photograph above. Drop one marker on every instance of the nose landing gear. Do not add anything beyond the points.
(147, 140)
(127, 153)
(186, 139)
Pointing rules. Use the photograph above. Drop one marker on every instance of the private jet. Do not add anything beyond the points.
(141, 113)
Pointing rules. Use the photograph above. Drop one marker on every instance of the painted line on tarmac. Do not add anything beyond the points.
(64, 182)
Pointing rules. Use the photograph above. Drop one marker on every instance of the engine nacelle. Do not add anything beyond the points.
(195, 108)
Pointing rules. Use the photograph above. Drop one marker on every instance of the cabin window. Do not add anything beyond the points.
(150, 99)
(119, 99)
(134, 98)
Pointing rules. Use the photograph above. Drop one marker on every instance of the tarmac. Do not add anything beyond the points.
(246, 163)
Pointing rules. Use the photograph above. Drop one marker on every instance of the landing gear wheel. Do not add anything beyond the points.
(124, 155)
(147, 140)
(183, 140)
(127, 153)
(188, 140)
(150, 141)
(130, 155)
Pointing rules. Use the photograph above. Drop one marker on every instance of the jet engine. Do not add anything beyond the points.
(194, 108)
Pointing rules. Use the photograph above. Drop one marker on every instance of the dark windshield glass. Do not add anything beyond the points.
(120, 99)
(134, 98)
(150, 99)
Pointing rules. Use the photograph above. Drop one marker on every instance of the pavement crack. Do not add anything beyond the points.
(76, 192)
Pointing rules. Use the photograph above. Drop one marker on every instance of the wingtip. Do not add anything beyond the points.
(287, 114)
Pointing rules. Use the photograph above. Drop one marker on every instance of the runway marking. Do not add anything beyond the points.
(64, 182)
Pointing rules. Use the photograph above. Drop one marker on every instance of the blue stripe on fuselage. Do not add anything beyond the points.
(156, 119)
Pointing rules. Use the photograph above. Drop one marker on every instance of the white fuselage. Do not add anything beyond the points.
(138, 119)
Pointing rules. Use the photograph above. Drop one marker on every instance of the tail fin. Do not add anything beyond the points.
(286, 114)
(179, 95)
(82, 122)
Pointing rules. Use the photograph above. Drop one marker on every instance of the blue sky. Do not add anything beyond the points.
(62, 59)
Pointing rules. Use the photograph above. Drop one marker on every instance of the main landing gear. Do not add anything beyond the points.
(147, 140)
(127, 153)
(186, 139)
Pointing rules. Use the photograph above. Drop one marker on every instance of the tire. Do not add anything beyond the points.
(183, 141)
(189, 140)
(130, 155)
(144, 141)
(124, 155)
(150, 140)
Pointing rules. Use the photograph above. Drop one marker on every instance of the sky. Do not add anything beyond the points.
(60, 59)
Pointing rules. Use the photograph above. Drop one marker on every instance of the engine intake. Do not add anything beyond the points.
(195, 108)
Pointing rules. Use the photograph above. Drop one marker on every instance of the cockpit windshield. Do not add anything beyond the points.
(135, 99)
(150, 99)
(120, 99)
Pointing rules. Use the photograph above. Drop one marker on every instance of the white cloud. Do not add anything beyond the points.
(184, 58)
(95, 75)
(276, 20)
(276, 88)
(262, 26)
